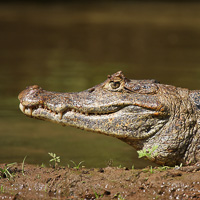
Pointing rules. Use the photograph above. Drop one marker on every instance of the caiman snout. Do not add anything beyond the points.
(30, 98)
(30, 95)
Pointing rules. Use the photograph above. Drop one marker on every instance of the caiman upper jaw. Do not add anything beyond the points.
(34, 97)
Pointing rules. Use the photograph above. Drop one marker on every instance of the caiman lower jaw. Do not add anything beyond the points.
(130, 121)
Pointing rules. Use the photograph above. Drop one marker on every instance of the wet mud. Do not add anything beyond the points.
(35, 182)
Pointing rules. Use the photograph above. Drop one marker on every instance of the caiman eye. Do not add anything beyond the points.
(115, 85)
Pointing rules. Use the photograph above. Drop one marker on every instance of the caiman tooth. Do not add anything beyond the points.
(29, 111)
(60, 114)
(22, 108)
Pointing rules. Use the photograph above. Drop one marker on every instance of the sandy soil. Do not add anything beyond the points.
(36, 182)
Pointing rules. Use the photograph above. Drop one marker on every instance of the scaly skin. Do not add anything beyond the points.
(142, 113)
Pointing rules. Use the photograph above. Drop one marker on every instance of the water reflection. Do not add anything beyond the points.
(73, 47)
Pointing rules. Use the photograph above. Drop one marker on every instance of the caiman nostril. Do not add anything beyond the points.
(91, 90)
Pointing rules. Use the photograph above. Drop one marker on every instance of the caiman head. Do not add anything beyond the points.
(142, 113)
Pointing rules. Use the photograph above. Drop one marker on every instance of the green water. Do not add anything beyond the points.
(72, 47)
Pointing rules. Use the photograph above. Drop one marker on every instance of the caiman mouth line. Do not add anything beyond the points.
(28, 110)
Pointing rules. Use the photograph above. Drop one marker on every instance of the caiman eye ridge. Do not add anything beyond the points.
(28, 110)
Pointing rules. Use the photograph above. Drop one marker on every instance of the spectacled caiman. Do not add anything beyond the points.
(142, 113)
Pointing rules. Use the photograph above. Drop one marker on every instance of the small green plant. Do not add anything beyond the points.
(2, 189)
(110, 163)
(120, 167)
(5, 173)
(178, 166)
(55, 159)
(133, 167)
(23, 162)
(163, 168)
(43, 165)
(148, 169)
(38, 176)
(75, 165)
(151, 170)
(149, 153)
(118, 196)
(121, 198)
(97, 196)
(45, 188)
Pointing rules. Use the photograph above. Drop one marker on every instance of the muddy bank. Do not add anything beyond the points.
(35, 182)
